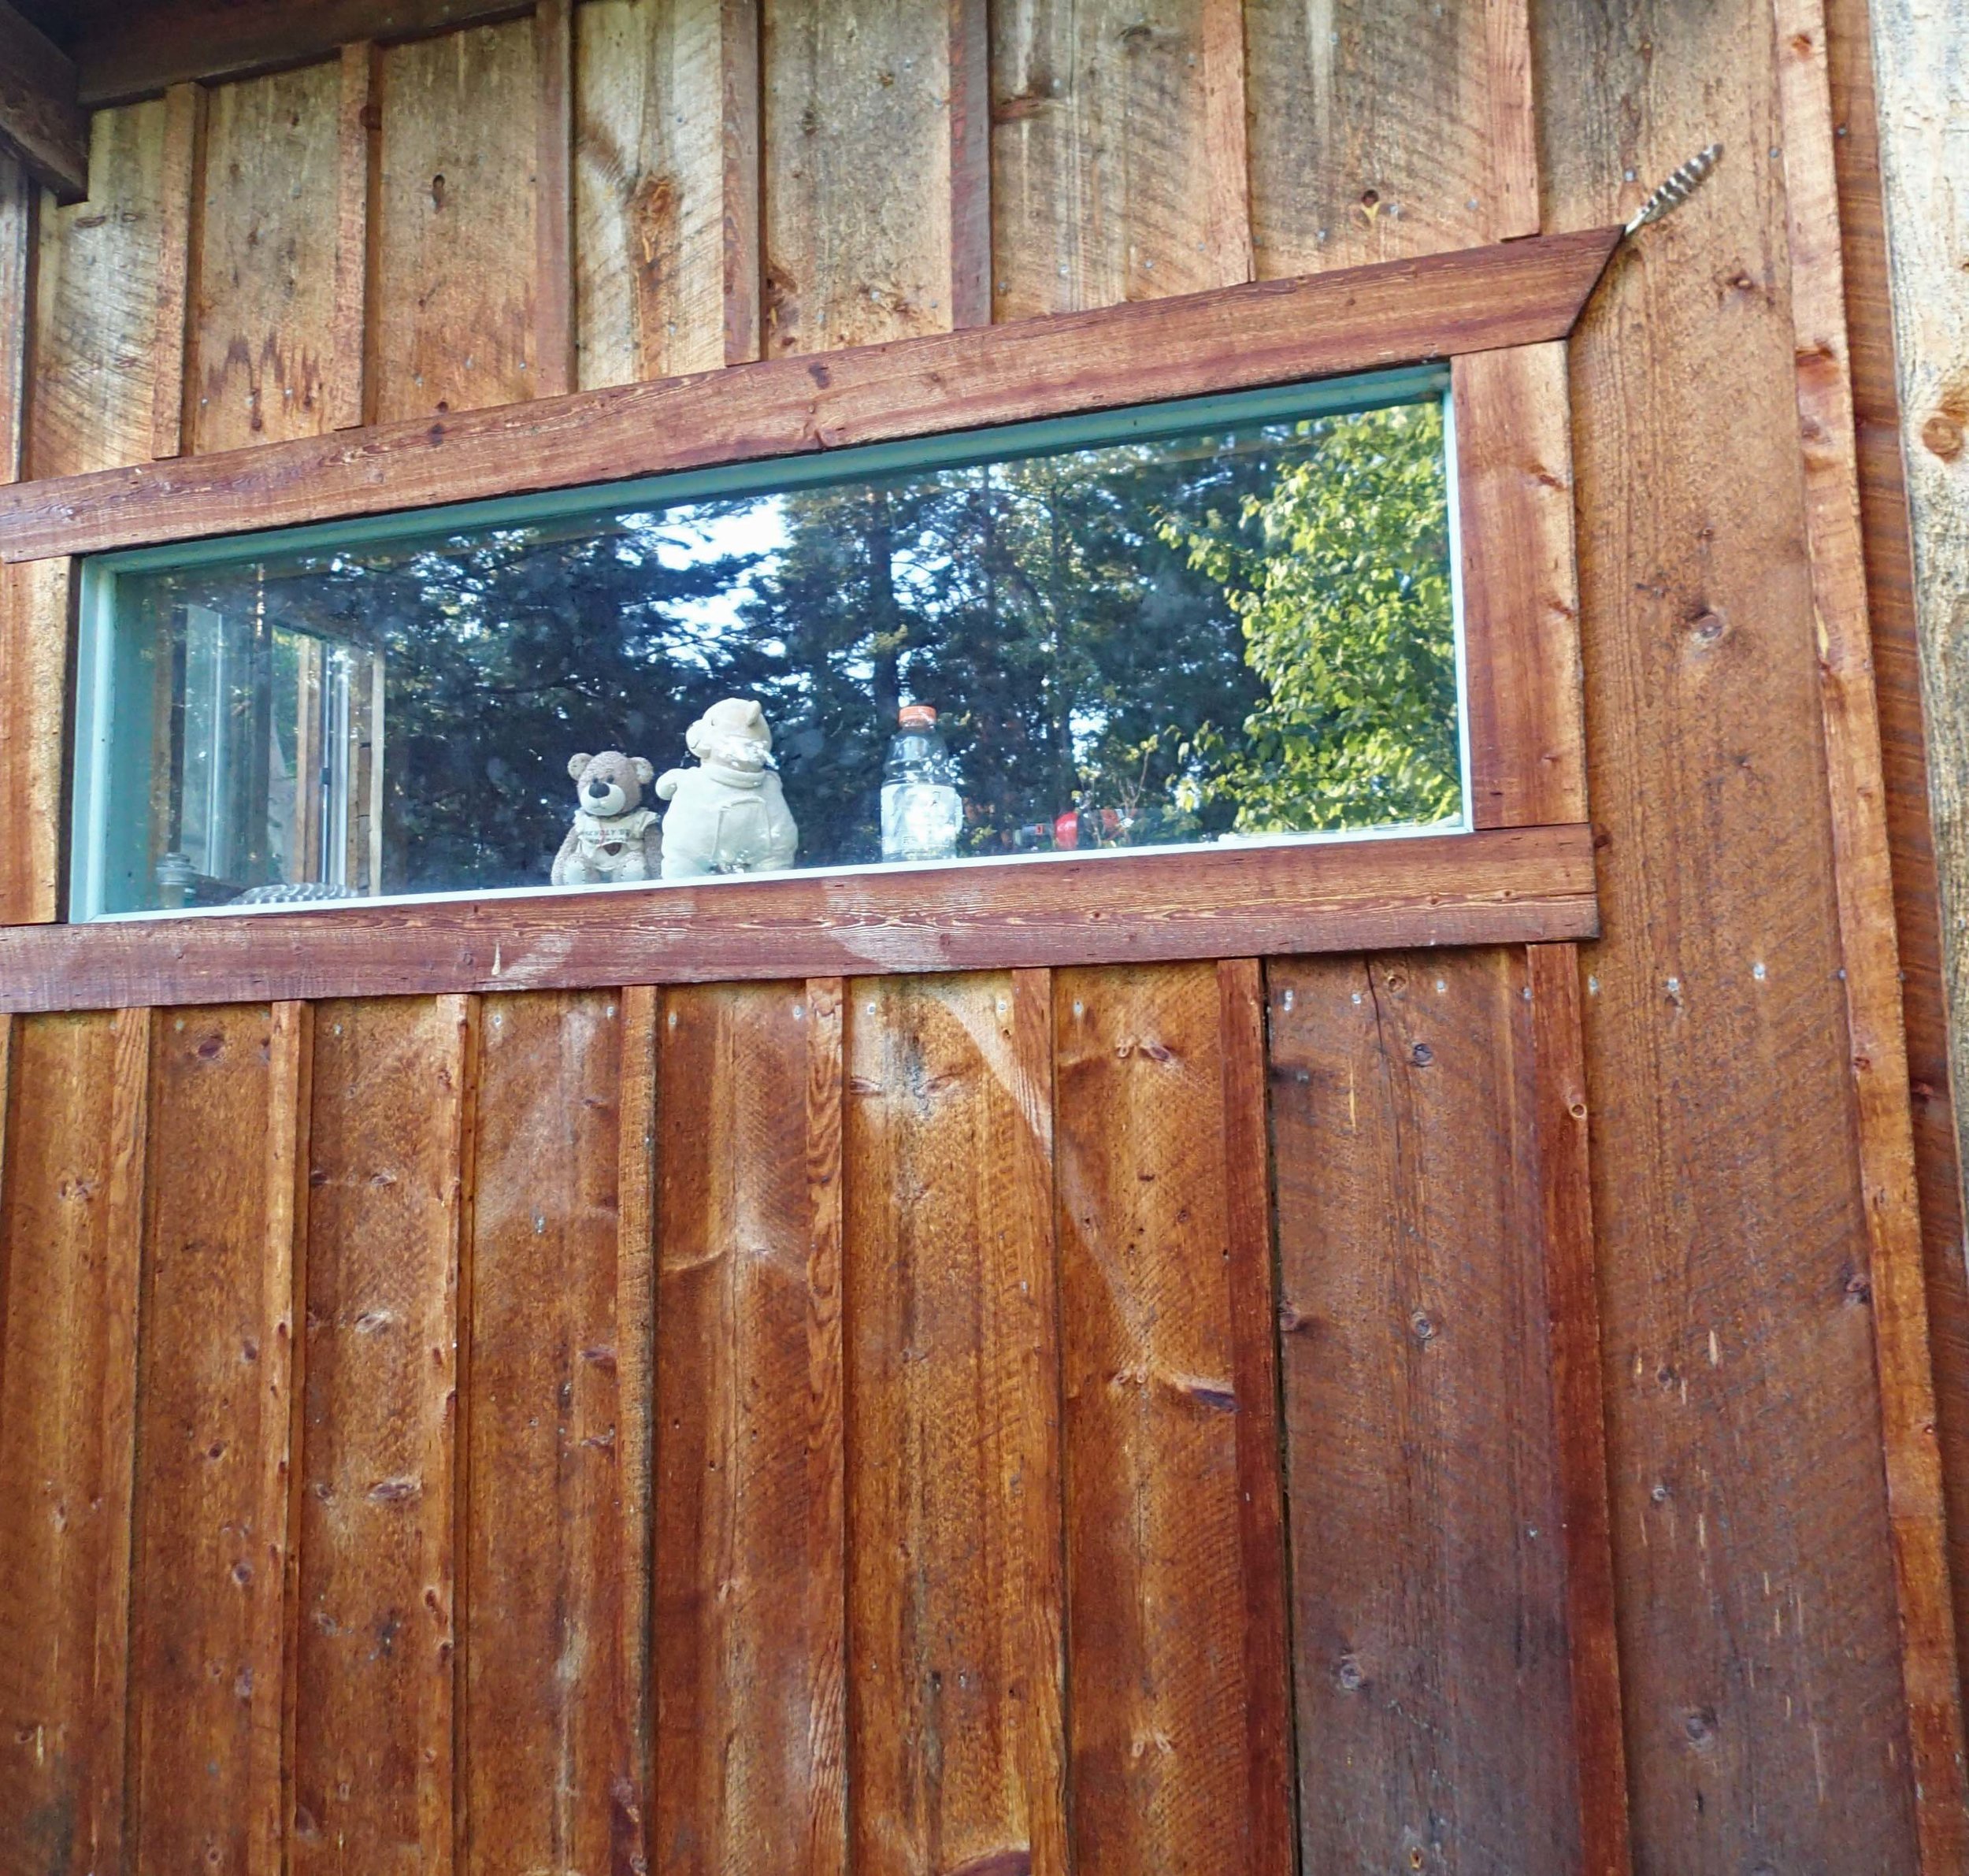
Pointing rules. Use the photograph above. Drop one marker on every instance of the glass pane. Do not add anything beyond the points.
(1246, 631)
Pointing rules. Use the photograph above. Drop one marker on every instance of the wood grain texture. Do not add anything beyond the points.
(18, 193)
(71, 1217)
(1520, 586)
(40, 120)
(456, 293)
(631, 1787)
(1113, 130)
(1872, 968)
(1436, 1726)
(970, 121)
(855, 95)
(1250, 1275)
(264, 302)
(1727, 1197)
(1572, 1278)
(1897, 669)
(34, 656)
(1510, 884)
(741, 32)
(373, 1760)
(649, 189)
(955, 1700)
(751, 1732)
(210, 1570)
(1918, 58)
(1269, 333)
(140, 52)
(1511, 120)
(1380, 130)
(546, 1732)
(95, 307)
(1177, 1657)
(554, 365)
(345, 394)
(180, 236)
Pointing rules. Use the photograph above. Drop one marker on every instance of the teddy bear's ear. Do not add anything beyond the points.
(575, 764)
(645, 774)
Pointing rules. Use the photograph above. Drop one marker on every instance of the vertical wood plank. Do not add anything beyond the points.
(825, 1836)
(1251, 1282)
(1384, 128)
(211, 1541)
(181, 189)
(457, 213)
(17, 195)
(1578, 1405)
(749, 1767)
(1521, 589)
(345, 392)
(92, 402)
(544, 1738)
(1930, 1671)
(263, 296)
(373, 1699)
(71, 1221)
(1227, 139)
(283, 1294)
(636, 1368)
(650, 187)
(34, 658)
(553, 368)
(741, 61)
(954, 1609)
(1176, 1648)
(971, 112)
(855, 96)
(1904, 732)
(1113, 162)
(1739, 1345)
(1510, 121)
(1431, 1618)
(1918, 137)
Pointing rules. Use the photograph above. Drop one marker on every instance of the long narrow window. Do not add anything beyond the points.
(1226, 620)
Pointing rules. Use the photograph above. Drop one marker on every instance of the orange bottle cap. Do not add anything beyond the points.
(918, 715)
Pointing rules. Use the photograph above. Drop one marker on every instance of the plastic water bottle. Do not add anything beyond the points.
(923, 813)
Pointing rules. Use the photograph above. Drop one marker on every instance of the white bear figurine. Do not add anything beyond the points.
(729, 815)
(614, 836)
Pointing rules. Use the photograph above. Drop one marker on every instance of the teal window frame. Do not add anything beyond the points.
(101, 774)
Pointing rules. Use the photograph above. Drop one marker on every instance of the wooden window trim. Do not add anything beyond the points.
(1518, 293)
(1524, 873)
(1499, 886)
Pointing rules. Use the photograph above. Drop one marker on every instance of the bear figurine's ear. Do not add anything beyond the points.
(575, 764)
(645, 774)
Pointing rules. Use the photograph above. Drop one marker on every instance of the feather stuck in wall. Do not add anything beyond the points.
(1677, 189)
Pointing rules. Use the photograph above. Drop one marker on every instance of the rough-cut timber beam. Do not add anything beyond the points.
(1266, 332)
(1504, 886)
(39, 117)
(213, 39)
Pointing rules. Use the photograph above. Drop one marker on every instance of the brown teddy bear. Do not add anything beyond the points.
(614, 836)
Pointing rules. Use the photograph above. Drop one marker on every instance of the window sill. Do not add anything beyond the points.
(1495, 886)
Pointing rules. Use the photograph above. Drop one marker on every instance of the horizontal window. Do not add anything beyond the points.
(1230, 620)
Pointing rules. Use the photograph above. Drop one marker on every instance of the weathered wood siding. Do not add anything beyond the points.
(957, 1535)
(977, 1534)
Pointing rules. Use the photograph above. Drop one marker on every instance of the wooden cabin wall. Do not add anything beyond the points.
(959, 1289)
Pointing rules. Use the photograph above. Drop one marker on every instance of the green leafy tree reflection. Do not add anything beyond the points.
(1339, 574)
